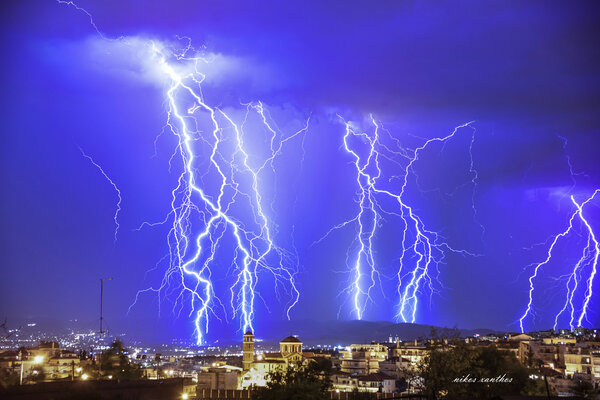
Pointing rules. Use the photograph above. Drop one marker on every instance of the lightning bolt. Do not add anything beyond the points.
(594, 262)
(589, 257)
(119, 199)
(367, 217)
(422, 250)
(572, 286)
(216, 183)
(429, 247)
(255, 250)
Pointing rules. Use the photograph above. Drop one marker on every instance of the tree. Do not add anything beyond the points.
(302, 382)
(8, 377)
(460, 371)
(115, 362)
(584, 388)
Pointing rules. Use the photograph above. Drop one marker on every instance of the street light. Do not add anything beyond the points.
(36, 360)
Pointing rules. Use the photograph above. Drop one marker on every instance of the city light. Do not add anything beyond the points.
(38, 359)
(85, 377)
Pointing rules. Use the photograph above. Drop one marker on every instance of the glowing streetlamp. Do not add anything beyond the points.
(36, 360)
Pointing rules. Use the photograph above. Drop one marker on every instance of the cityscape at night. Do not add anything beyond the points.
(300, 200)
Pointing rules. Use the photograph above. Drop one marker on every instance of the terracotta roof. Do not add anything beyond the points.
(291, 339)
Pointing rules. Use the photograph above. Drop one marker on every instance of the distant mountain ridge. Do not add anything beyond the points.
(312, 333)
(346, 332)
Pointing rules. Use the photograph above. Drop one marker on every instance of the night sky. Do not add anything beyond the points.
(527, 74)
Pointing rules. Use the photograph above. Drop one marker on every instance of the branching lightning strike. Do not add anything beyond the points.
(119, 199)
(255, 250)
(192, 251)
(588, 259)
(422, 250)
(219, 205)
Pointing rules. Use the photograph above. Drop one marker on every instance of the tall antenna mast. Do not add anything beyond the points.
(101, 299)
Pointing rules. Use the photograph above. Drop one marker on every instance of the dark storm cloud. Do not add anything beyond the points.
(394, 56)
(534, 58)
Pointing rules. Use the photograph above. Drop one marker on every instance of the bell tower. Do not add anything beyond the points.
(248, 351)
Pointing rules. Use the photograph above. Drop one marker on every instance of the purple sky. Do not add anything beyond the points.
(525, 72)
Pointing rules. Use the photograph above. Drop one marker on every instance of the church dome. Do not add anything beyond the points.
(291, 339)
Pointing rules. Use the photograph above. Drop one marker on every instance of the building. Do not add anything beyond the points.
(391, 367)
(291, 349)
(377, 382)
(546, 353)
(374, 351)
(410, 354)
(363, 359)
(224, 377)
(247, 351)
(343, 382)
(256, 368)
(63, 365)
(45, 362)
(582, 360)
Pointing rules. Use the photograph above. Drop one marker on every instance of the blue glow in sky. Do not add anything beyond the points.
(525, 73)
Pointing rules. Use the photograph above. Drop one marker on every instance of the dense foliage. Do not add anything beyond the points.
(460, 371)
(115, 363)
(302, 382)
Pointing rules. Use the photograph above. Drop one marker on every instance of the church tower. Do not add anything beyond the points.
(248, 351)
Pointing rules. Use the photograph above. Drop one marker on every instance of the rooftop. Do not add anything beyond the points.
(291, 339)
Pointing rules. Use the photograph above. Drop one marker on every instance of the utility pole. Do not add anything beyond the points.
(101, 320)
(101, 298)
